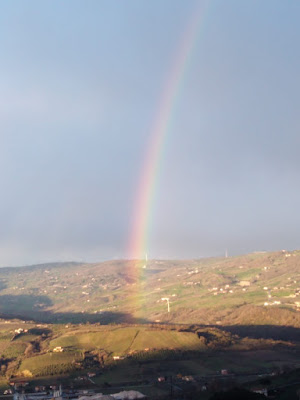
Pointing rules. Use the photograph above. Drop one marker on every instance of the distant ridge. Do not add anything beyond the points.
(46, 265)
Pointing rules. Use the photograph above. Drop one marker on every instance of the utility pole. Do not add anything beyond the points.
(146, 260)
(167, 300)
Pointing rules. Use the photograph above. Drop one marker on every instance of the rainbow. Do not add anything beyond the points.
(158, 135)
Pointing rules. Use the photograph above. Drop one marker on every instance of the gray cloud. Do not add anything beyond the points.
(80, 88)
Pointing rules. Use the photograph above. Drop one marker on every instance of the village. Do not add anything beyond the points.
(161, 387)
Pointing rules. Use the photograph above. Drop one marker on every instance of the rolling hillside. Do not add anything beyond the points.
(259, 288)
(30, 350)
(111, 318)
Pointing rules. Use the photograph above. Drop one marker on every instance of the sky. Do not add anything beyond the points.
(81, 84)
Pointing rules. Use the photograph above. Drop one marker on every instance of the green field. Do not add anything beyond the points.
(51, 363)
(124, 340)
(193, 349)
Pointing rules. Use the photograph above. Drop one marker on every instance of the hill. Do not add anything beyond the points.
(238, 314)
(30, 350)
(254, 289)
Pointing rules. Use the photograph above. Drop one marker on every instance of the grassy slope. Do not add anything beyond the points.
(159, 349)
(124, 340)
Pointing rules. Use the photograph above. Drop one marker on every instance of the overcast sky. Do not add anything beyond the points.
(80, 84)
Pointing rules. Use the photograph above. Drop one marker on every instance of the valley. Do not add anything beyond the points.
(230, 320)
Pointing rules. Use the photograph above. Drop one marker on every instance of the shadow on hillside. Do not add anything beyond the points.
(23, 302)
(36, 308)
(275, 332)
(30, 307)
(2, 285)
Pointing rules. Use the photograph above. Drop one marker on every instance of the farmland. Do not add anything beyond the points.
(170, 349)
(204, 291)
(236, 313)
